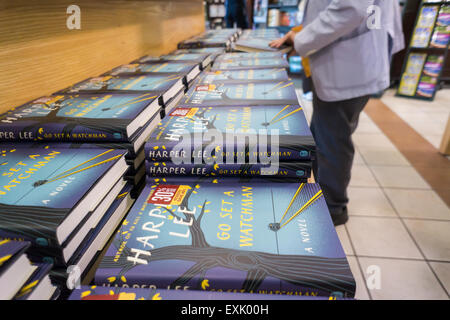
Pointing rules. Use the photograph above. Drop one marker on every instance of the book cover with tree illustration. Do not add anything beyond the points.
(77, 118)
(274, 74)
(240, 93)
(235, 237)
(262, 63)
(287, 123)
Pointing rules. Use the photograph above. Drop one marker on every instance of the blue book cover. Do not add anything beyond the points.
(124, 293)
(198, 57)
(79, 118)
(231, 56)
(213, 51)
(300, 170)
(183, 67)
(9, 251)
(262, 63)
(253, 238)
(237, 94)
(47, 194)
(163, 85)
(287, 123)
(274, 74)
(34, 281)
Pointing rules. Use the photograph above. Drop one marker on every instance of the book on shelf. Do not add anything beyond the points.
(38, 286)
(15, 268)
(162, 86)
(244, 237)
(249, 55)
(299, 170)
(258, 45)
(203, 59)
(246, 93)
(86, 293)
(54, 197)
(285, 126)
(274, 74)
(82, 118)
(261, 63)
(189, 69)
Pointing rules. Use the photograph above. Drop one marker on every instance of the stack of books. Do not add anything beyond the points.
(228, 215)
(73, 162)
(258, 41)
(20, 279)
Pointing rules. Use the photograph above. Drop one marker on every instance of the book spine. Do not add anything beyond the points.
(156, 152)
(299, 170)
(42, 249)
(48, 133)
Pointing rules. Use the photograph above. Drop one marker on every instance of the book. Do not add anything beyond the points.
(300, 170)
(82, 118)
(284, 126)
(125, 293)
(274, 74)
(60, 193)
(38, 286)
(249, 55)
(256, 63)
(189, 69)
(164, 86)
(203, 59)
(258, 45)
(15, 268)
(243, 237)
(433, 65)
(246, 93)
(91, 249)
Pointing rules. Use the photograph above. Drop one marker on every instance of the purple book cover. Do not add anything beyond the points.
(9, 251)
(253, 238)
(32, 283)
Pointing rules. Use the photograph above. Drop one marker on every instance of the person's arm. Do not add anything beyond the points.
(338, 19)
(287, 39)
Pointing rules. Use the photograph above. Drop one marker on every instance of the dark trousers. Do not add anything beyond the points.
(236, 13)
(332, 125)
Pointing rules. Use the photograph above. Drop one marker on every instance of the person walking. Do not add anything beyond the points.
(236, 13)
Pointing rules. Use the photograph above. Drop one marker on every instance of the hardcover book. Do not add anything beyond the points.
(189, 69)
(286, 126)
(162, 85)
(274, 74)
(15, 268)
(300, 170)
(203, 59)
(257, 63)
(81, 118)
(258, 45)
(237, 94)
(38, 286)
(243, 237)
(249, 55)
(125, 293)
(49, 197)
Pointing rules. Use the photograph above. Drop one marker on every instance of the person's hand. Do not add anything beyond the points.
(278, 42)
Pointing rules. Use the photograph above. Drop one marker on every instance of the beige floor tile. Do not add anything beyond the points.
(424, 204)
(345, 242)
(358, 159)
(362, 177)
(433, 238)
(403, 280)
(383, 157)
(361, 290)
(369, 202)
(399, 177)
(381, 237)
(442, 270)
(367, 127)
(372, 140)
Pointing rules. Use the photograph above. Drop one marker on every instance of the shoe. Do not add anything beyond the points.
(340, 218)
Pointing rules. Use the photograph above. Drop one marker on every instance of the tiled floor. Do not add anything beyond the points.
(398, 236)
